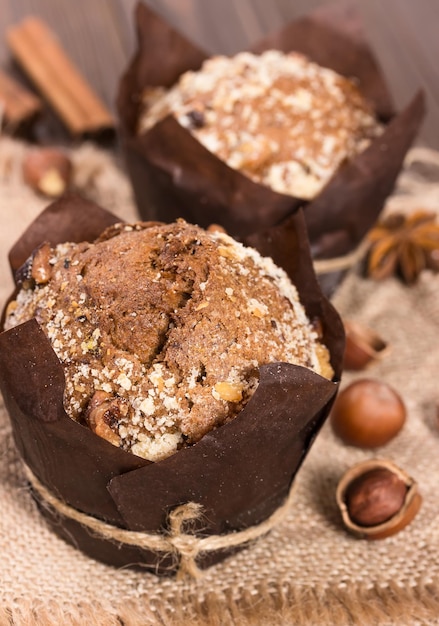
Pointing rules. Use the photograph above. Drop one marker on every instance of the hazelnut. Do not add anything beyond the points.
(48, 171)
(363, 346)
(367, 413)
(377, 499)
(216, 228)
(375, 496)
(103, 414)
(36, 270)
(41, 269)
(230, 392)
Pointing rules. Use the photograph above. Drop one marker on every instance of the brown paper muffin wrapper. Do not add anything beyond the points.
(239, 473)
(173, 175)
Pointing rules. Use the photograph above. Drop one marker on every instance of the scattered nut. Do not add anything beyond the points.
(375, 496)
(367, 413)
(48, 171)
(363, 346)
(377, 499)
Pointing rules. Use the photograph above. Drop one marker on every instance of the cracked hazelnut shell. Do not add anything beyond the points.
(377, 499)
(363, 346)
(367, 413)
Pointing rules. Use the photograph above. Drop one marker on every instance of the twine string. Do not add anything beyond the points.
(184, 544)
(177, 542)
(421, 154)
(340, 263)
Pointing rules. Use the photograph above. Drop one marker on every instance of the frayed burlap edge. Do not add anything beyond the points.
(275, 607)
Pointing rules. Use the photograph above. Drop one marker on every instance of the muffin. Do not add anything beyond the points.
(161, 330)
(278, 118)
(304, 119)
(140, 370)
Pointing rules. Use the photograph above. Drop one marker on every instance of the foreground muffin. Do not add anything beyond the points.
(116, 506)
(280, 119)
(161, 330)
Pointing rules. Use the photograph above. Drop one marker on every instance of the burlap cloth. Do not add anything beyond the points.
(308, 570)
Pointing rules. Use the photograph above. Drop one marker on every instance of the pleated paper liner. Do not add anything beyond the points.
(238, 475)
(173, 175)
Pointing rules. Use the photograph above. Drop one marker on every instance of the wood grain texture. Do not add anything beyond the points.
(99, 36)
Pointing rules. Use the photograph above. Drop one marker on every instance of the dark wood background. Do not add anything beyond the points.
(98, 35)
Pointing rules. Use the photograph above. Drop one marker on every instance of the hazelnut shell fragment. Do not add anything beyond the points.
(367, 413)
(47, 171)
(403, 515)
(363, 346)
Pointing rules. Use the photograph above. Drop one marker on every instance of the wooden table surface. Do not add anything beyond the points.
(99, 37)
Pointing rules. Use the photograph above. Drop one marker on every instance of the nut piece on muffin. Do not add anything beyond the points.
(280, 119)
(161, 329)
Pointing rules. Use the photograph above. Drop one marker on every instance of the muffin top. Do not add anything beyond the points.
(161, 329)
(280, 119)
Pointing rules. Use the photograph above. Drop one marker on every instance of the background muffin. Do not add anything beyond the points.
(341, 174)
(280, 119)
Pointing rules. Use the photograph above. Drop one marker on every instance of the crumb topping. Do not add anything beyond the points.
(280, 119)
(161, 330)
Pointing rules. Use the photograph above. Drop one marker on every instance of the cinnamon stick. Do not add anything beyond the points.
(17, 104)
(46, 63)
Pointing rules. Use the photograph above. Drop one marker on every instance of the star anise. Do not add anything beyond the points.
(404, 245)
